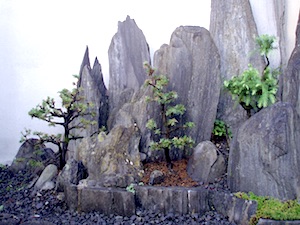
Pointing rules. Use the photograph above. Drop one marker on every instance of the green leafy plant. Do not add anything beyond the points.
(170, 114)
(272, 208)
(221, 129)
(252, 90)
(70, 116)
(34, 163)
(131, 187)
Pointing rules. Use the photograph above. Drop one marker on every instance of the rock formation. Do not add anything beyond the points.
(34, 157)
(291, 84)
(94, 91)
(127, 52)
(264, 154)
(206, 163)
(234, 31)
(191, 61)
(114, 160)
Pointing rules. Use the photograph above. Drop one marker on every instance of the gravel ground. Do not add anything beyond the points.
(19, 206)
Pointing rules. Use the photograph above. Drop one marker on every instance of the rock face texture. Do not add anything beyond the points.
(127, 52)
(33, 156)
(114, 160)
(191, 61)
(94, 91)
(234, 31)
(206, 163)
(291, 84)
(139, 111)
(264, 155)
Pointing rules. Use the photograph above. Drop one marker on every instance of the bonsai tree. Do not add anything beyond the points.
(252, 90)
(169, 115)
(70, 116)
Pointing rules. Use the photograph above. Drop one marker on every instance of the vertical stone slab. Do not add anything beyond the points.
(95, 199)
(71, 194)
(127, 52)
(234, 31)
(93, 91)
(123, 202)
(291, 84)
(191, 61)
(264, 155)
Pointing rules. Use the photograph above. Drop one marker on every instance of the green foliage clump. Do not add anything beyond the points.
(221, 129)
(170, 114)
(131, 187)
(35, 164)
(272, 208)
(70, 116)
(250, 89)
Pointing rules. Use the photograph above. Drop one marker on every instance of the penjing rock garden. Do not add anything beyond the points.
(101, 163)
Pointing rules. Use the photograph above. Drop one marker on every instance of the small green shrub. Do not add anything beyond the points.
(252, 90)
(170, 115)
(221, 129)
(131, 187)
(272, 208)
(34, 163)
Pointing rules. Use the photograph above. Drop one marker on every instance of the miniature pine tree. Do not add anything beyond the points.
(170, 113)
(70, 116)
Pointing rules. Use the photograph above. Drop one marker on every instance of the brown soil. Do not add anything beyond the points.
(179, 176)
(176, 177)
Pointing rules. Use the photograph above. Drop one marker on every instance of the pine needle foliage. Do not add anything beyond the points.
(70, 116)
(252, 90)
(170, 114)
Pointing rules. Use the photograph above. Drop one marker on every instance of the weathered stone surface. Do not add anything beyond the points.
(138, 111)
(127, 52)
(264, 155)
(114, 161)
(206, 163)
(237, 210)
(291, 84)
(234, 31)
(94, 91)
(276, 222)
(33, 157)
(72, 173)
(47, 175)
(156, 177)
(192, 62)
(106, 200)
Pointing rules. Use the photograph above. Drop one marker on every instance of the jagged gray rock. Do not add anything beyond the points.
(127, 52)
(94, 91)
(72, 173)
(234, 31)
(33, 157)
(264, 154)
(139, 111)
(192, 62)
(113, 160)
(206, 163)
(291, 84)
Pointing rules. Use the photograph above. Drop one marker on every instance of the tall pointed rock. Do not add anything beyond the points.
(234, 31)
(127, 53)
(192, 63)
(94, 91)
(291, 84)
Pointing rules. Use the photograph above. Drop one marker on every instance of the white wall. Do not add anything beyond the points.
(278, 18)
(42, 44)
